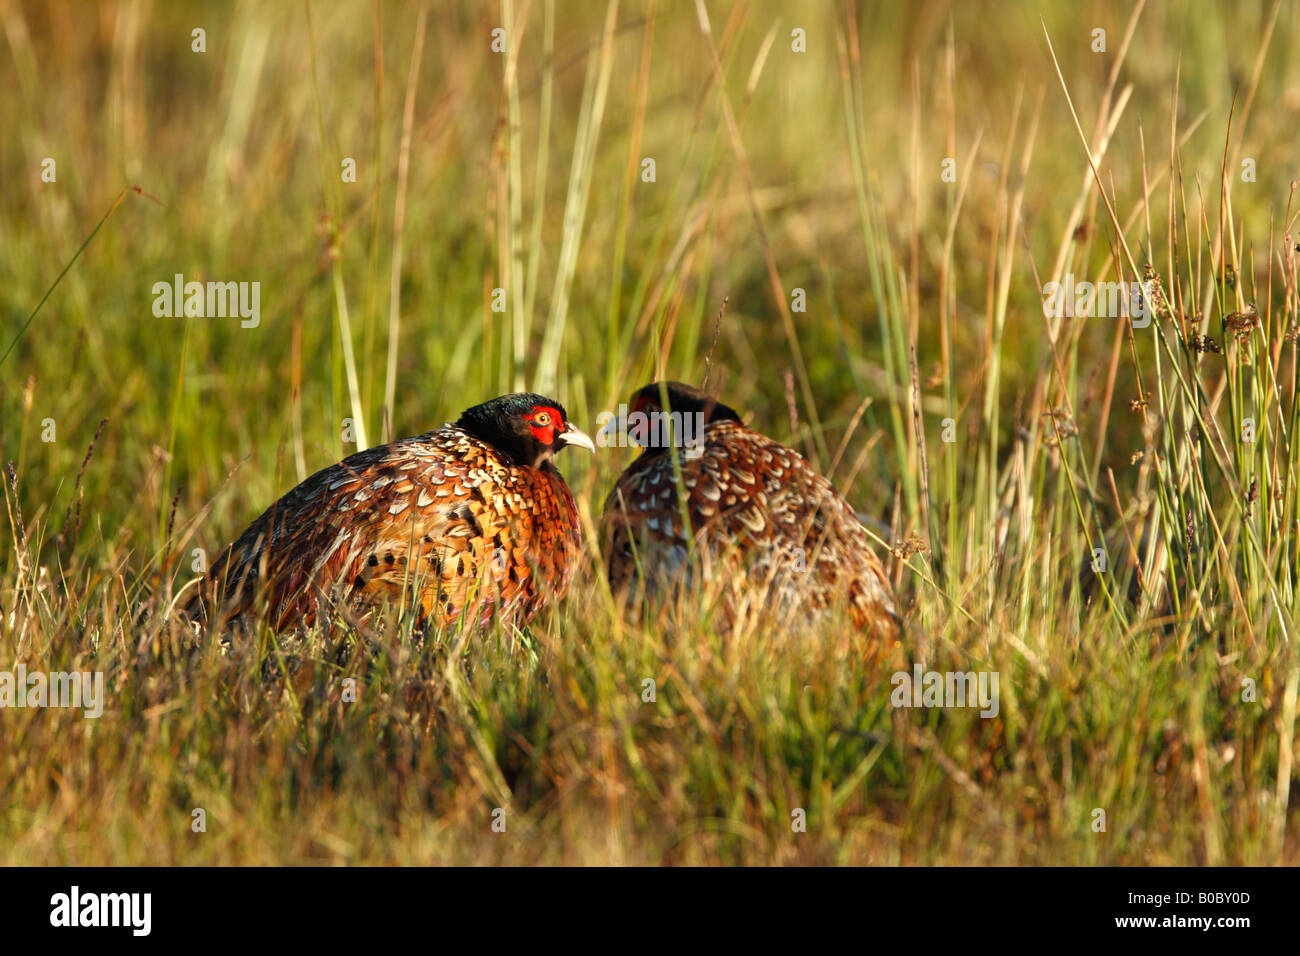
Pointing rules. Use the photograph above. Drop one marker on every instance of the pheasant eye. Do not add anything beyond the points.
(542, 419)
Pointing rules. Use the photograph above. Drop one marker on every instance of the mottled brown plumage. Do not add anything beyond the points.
(774, 534)
(469, 521)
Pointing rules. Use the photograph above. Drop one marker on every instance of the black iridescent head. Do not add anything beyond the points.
(529, 428)
(683, 398)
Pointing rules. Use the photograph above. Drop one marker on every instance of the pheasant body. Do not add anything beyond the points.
(464, 521)
(776, 533)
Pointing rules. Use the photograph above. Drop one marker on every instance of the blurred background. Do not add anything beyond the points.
(442, 202)
(526, 173)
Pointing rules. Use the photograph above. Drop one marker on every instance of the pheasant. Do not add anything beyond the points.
(762, 518)
(470, 520)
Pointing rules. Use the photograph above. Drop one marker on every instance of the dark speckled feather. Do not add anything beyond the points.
(446, 519)
(760, 515)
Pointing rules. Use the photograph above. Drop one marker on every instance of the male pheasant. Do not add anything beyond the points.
(762, 518)
(471, 521)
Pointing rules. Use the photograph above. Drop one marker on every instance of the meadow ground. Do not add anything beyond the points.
(1103, 512)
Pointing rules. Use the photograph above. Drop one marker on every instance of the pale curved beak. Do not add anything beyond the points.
(573, 435)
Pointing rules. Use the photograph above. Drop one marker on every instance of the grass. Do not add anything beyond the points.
(991, 447)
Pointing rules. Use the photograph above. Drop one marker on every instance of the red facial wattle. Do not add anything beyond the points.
(544, 423)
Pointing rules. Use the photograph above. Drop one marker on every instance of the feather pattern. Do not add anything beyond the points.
(445, 520)
(760, 516)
